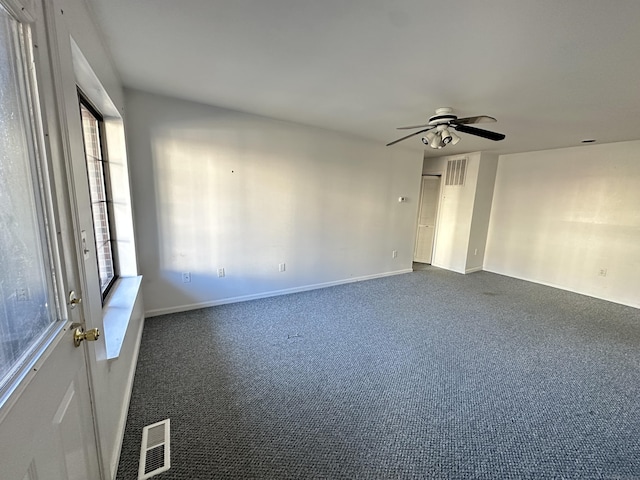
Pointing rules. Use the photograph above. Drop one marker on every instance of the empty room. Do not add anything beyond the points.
(296, 240)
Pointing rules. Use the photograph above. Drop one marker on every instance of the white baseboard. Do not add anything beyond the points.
(273, 293)
(474, 269)
(563, 287)
(122, 421)
(447, 267)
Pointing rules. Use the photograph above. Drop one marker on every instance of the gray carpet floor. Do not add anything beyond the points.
(430, 374)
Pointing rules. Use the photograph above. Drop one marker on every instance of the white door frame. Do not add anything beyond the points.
(64, 97)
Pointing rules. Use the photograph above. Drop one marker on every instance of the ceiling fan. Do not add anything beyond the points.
(439, 133)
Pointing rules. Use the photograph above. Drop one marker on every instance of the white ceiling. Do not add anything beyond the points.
(553, 72)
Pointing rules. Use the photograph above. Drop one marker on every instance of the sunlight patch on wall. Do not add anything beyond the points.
(207, 193)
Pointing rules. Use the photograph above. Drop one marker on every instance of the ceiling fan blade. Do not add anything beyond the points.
(480, 132)
(477, 119)
(414, 126)
(408, 136)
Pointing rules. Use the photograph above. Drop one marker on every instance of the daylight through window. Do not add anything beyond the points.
(27, 297)
(98, 172)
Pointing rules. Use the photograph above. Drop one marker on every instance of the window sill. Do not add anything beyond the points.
(116, 313)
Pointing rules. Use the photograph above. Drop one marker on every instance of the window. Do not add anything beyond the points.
(28, 304)
(100, 194)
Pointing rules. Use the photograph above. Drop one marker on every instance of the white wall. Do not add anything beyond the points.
(454, 218)
(463, 212)
(215, 189)
(559, 217)
(485, 181)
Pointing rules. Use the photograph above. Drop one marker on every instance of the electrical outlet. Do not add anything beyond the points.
(221, 272)
(282, 267)
(186, 277)
(394, 254)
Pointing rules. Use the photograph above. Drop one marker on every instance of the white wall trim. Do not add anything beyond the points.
(562, 287)
(447, 267)
(274, 293)
(124, 410)
(474, 269)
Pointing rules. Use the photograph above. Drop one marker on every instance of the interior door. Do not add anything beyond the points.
(429, 195)
(46, 420)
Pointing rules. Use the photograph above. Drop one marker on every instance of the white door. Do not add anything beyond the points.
(46, 420)
(429, 195)
(47, 429)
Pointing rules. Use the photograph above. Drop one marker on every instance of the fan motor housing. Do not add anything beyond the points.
(443, 115)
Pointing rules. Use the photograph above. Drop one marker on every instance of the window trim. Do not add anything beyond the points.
(83, 101)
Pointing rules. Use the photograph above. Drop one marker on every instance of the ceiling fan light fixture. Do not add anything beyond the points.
(446, 136)
(441, 126)
(428, 138)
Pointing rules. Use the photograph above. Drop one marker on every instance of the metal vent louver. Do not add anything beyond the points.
(155, 450)
(456, 171)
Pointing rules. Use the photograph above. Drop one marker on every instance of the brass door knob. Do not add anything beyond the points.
(90, 335)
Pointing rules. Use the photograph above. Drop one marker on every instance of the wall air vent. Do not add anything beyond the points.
(155, 451)
(456, 171)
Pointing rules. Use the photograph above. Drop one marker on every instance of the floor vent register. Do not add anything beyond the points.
(155, 450)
